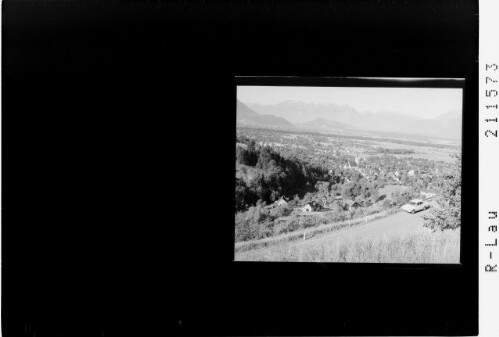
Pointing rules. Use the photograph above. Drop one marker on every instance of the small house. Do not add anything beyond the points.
(350, 165)
(311, 207)
(349, 204)
(281, 202)
(307, 208)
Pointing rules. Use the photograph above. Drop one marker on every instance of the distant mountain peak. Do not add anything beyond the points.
(247, 116)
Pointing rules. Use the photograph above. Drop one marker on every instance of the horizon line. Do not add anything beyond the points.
(349, 106)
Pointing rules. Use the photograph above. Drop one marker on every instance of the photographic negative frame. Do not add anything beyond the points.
(97, 96)
(260, 244)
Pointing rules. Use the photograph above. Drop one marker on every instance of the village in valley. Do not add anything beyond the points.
(370, 173)
(358, 173)
(288, 181)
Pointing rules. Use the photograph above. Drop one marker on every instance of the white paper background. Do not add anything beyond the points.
(488, 168)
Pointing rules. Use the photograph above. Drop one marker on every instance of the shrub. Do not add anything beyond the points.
(308, 221)
(280, 227)
(255, 223)
(359, 212)
(386, 203)
(336, 215)
(243, 230)
(448, 214)
(264, 229)
(280, 211)
(293, 224)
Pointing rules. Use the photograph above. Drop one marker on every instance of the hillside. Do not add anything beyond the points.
(248, 117)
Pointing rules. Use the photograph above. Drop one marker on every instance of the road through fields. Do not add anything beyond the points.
(399, 224)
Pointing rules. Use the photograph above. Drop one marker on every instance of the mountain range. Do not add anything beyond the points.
(332, 117)
(248, 117)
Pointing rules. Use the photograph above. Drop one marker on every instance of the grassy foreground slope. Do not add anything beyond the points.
(422, 247)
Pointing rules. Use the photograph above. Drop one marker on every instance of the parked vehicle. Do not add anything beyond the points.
(415, 205)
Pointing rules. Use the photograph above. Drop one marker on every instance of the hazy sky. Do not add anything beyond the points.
(421, 102)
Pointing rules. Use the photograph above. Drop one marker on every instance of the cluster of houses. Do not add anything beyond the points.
(386, 193)
(314, 206)
(367, 172)
(370, 172)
